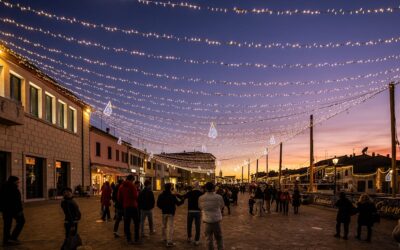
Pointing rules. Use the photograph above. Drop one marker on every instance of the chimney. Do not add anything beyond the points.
(108, 130)
(373, 154)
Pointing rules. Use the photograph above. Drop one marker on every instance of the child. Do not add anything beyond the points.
(251, 204)
(71, 212)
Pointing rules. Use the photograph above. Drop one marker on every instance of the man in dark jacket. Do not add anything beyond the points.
(128, 196)
(119, 210)
(345, 210)
(167, 202)
(146, 205)
(366, 214)
(71, 212)
(194, 213)
(11, 207)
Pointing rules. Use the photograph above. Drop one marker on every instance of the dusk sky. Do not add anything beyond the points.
(162, 101)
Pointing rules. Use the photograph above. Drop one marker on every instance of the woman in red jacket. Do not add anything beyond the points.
(106, 200)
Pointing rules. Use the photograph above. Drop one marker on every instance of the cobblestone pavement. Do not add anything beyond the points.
(313, 228)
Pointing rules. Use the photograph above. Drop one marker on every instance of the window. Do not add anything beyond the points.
(109, 153)
(72, 122)
(34, 101)
(148, 165)
(370, 184)
(346, 173)
(117, 155)
(15, 88)
(361, 186)
(49, 106)
(98, 149)
(62, 122)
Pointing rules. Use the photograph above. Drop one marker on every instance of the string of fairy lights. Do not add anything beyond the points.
(175, 110)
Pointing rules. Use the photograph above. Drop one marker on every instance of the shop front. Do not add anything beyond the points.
(62, 176)
(34, 177)
(102, 174)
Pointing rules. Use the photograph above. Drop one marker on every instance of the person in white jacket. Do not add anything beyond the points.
(211, 204)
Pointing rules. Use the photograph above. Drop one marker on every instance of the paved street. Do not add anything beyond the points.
(313, 228)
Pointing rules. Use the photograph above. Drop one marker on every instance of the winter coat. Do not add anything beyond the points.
(345, 210)
(226, 197)
(106, 196)
(146, 199)
(267, 194)
(71, 210)
(211, 204)
(365, 213)
(128, 195)
(296, 198)
(285, 197)
(167, 202)
(193, 199)
(114, 197)
(10, 198)
(259, 194)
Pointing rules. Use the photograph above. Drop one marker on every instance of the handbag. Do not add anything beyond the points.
(72, 242)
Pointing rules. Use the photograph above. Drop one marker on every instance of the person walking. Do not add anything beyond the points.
(226, 195)
(296, 200)
(267, 198)
(128, 196)
(167, 202)
(259, 198)
(119, 210)
(278, 200)
(366, 213)
(285, 200)
(11, 207)
(345, 210)
(72, 214)
(194, 213)
(211, 204)
(146, 205)
(251, 204)
(105, 200)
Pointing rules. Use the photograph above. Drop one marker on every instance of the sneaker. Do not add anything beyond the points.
(170, 244)
(116, 235)
(196, 243)
(189, 240)
(336, 236)
(152, 232)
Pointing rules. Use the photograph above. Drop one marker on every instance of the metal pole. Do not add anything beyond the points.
(248, 171)
(393, 133)
(266, 164)
(280, 165)
(242, 174)
(257, 171)
(334, 191)
(311, 187)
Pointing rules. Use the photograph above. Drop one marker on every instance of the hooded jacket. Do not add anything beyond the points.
(146, 199)
(211, 204)
(167, 202)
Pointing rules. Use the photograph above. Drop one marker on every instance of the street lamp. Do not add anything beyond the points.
(335, 162)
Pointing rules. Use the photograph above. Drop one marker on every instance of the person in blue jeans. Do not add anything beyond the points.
(194, 213)
(146, 205)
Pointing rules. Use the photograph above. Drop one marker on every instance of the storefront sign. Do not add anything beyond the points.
(388, 207)
(30, 160)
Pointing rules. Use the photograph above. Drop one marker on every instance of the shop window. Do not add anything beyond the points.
(50, 108)
(62, 175)
(98, 149)
(109, 151)
(15, 88)
(35, 100)
(34, 177)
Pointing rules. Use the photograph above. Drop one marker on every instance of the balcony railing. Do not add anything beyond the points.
(11, 112)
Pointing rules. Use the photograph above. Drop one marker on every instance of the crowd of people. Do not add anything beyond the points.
(134, 204)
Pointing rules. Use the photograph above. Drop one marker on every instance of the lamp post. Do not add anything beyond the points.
(335, 162)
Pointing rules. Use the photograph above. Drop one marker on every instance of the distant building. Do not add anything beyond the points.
(39, 121)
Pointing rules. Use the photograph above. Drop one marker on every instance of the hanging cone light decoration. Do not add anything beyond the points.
(204, 148)
(108, 109)
(213, 131)
(272, 140)
(119, 142)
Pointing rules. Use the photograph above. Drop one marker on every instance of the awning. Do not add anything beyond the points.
(112, 170)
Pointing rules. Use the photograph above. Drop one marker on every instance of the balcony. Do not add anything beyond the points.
(11, 112)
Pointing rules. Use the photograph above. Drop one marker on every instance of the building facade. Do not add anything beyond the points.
(39, 121)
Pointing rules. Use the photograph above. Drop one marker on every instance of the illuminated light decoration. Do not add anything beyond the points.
(108, 109)
(119, 142)
(212, 133)
(198, 79)
(155, 35)
(139, 53)
(266, 151)
(274, 12)
(219, 94)
(208, 172)
(272, 140)
(204, 148)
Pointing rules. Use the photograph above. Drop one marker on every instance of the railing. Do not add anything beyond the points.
(11, 112)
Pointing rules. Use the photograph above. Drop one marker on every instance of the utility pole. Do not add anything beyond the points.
(257, 171)
(248, 170)
(280, 164)
(266, 163)
(311, 186)
(393, 133)
(242, 174)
